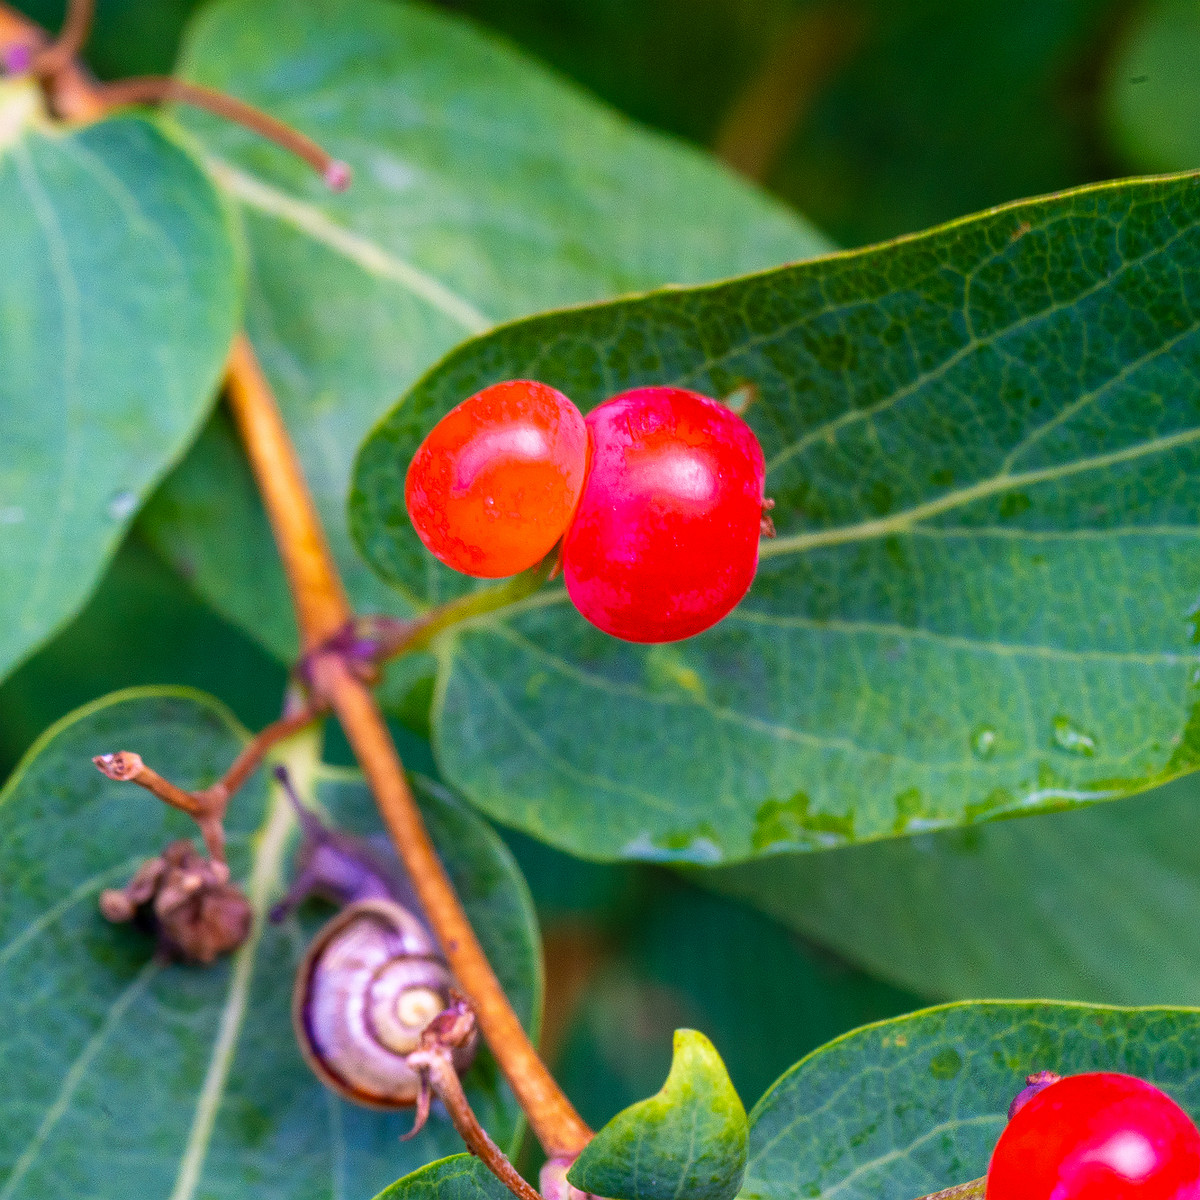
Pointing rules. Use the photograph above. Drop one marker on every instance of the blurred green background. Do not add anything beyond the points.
(874, 118)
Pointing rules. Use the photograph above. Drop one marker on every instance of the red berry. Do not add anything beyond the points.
(665, 540)
(493, 486)
(1097, 1137)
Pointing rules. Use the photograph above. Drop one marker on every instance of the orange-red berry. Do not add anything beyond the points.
(494, 485)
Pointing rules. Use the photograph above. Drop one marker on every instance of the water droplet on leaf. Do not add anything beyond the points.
(122, 505)
(1069, 737)
(983, 742)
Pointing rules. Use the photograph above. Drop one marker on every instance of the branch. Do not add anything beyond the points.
(433, 1060)
(207, 807)
(62, 52)
(159, 89)
(322, 611)
(765, 116)
(24, 48)
(127, 767)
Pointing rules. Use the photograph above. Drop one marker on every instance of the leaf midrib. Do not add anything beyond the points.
(264, 880)
(366, 254)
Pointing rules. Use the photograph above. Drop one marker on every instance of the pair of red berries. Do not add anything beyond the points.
(1099, 1136)
(657, 496)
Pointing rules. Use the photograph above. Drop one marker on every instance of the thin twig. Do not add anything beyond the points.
(433, 1060)
(322, 610)
(263, 742)
(159, 89)
(207, 806)
(444, 1081)
(71, 39)
(126, 767)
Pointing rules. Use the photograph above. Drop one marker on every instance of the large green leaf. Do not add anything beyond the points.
(125, 1077)
(1152, 95)
(485, 188)
(1089, 905)
(910, 1106)
(687, 1142)
(118, 300)
(984, 446)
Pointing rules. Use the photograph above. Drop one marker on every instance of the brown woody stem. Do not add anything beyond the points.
(159, 89)
(61, 53)
(207, 812)
(322, 611)
(207, 806)
(248, 761)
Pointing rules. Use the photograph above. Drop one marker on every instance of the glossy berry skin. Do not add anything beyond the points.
(1099, 1136)
(493, 487)
(665, 540)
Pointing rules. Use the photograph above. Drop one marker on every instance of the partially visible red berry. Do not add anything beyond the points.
(665, 540)
(493, 486)
(1099, 1136)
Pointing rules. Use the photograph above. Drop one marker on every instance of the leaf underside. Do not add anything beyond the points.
(984, 447)
(1012, 908)
(125, 1077)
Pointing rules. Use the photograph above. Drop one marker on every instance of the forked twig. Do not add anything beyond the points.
(433, 1060)
(207, 806)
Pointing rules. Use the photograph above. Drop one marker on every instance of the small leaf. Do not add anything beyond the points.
(908, 1107)
(984, 446)
(124, 1076)
(686, 1143)
(118, 299)
(485, 187)
(459, 1177)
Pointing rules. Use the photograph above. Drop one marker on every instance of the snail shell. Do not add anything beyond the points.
(370, 982)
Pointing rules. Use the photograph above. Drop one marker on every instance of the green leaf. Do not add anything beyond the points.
(485, 188)
(984, 446)
(118, 300)
(911, 1106)
(124, 1076)
(459, 1177)
(686, 1143)
(1152, 97)
(1090, 905)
